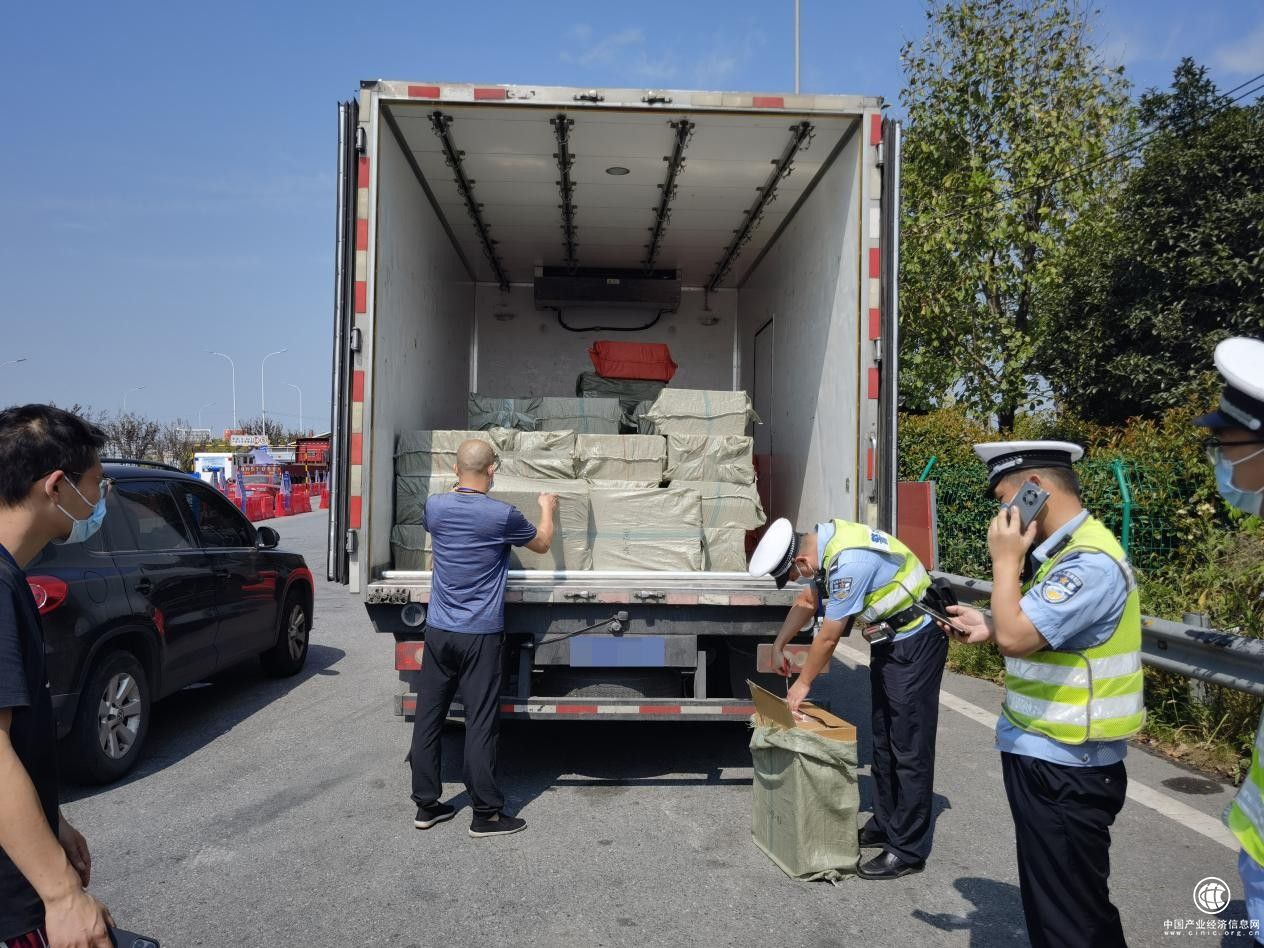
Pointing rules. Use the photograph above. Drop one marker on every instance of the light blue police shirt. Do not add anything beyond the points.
(853, 575)
(1252, 874)
(1087, 595)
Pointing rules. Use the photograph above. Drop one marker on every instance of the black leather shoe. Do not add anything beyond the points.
(887, 865)
(871, 836)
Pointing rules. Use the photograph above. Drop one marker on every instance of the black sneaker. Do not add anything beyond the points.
(428, 816)
(498, 824)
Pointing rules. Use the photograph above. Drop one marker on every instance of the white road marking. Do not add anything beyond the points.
(1147, 796)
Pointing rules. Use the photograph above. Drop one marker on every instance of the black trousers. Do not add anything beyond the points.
(1062, 818)
(471, 663)
(904, 678)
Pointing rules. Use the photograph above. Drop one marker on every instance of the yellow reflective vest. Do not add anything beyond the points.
(905, 588)
(1092, 694)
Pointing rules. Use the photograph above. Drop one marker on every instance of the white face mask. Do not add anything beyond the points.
(1248, 501)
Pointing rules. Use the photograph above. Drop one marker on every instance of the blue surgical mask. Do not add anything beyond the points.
(83, 529)
(1248, 501)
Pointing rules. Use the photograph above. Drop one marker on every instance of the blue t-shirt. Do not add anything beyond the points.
(1075, 607)
(853, 575)
(471, 534)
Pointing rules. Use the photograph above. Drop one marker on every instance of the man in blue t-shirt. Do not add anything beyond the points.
(471, 535)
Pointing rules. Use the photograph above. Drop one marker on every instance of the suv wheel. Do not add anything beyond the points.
(112, 719)
(289, 654)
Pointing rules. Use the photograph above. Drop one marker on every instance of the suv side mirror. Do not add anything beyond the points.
(267, 538)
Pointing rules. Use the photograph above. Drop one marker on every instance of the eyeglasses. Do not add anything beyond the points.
(1212, 446)
(103, 486)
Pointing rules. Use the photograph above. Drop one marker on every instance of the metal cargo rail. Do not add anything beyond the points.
(1219, 658)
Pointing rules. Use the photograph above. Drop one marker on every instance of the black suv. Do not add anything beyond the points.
(177, 584)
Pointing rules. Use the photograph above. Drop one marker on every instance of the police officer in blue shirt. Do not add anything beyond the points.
(1066, 616)
(1236, 448)
(856, 573)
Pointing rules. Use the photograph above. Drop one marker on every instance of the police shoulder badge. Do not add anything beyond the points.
(1060, 586)
(840, 587)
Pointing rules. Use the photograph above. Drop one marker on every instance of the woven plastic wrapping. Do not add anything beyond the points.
(724, 550)
(727, 458)
(647, 529)
(572, 540)
(628, 458)
(434, 452)
(701, 412)
(805, 802)
(410, 547)
(411, 492)
(540, 454)
(727, 506)
(486, 411)
(583, 415)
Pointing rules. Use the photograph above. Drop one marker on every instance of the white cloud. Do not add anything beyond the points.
(1243, 57)
(604, 51)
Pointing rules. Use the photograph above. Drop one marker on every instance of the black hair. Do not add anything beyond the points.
(1064, 477)
(36, 440)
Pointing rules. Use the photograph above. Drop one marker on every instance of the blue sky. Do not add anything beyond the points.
(167, 177)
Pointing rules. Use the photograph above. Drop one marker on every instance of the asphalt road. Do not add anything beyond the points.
(277, 813)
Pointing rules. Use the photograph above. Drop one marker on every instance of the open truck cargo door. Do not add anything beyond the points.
(344, 294)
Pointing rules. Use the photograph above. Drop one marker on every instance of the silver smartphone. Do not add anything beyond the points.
(1029, 501)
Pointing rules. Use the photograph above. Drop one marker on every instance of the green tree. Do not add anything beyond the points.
(1153, 283)
(1011, 115)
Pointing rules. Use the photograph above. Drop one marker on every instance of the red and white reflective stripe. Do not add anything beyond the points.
(409, 656)
(649, 710)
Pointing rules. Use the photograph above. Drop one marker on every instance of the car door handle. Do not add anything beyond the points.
(144, 587)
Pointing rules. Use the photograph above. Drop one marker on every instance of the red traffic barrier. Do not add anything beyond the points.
(279, 510)
(324, 499)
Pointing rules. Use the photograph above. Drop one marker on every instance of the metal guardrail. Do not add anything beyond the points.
(1220, 658)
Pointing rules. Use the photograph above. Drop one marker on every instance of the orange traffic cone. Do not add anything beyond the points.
(280, 506)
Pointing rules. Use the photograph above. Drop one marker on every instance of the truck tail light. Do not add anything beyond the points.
(49, 592)
(409, 656)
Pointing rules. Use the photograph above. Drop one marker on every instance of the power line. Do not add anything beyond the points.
(1128, 147)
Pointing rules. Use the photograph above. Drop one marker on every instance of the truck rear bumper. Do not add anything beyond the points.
(603, 709)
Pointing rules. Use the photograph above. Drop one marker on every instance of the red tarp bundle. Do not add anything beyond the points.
(648, 361)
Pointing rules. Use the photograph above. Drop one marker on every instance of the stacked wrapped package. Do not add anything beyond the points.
(644, 528)
(728, 458)
(548, 413)
(487, 411)
(699, 412)
(613, 512)
(629, 459)
(434, 452)
(571, 548)
(582, 415)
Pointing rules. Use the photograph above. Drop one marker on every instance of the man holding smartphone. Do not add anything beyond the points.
(1067, 617)
(853, 572)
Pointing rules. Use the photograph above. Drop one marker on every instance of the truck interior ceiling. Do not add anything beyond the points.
(755, 218)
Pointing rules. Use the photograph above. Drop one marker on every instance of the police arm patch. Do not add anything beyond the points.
(840, 587)
(1060, 586)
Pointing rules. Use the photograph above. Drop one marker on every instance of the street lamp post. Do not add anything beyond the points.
(234, 368)
(796, 47)
(263, 411)
(138, 388)
(301, 429)
(207, 405)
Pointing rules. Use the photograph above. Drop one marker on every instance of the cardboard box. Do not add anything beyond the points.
(771, 711)
(804, 791)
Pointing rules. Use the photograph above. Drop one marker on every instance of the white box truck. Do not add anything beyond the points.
(488, 234)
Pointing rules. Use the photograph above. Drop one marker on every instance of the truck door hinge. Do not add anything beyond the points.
(654, 98)
(362, 141)
(357, 340)
(881, 158)
(592, 95)
(353, 542)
